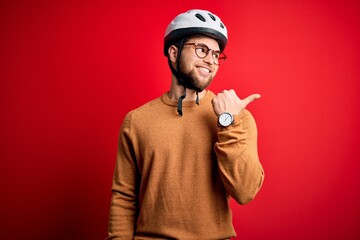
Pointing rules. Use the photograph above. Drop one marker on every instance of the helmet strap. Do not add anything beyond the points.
(179, 106)
(181, 78)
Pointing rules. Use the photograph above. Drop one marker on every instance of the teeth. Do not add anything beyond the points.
(204, 69)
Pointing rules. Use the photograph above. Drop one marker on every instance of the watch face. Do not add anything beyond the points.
(225, 119)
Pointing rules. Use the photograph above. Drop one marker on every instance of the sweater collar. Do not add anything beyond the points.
(207, 98)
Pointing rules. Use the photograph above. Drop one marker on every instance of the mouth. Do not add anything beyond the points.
(204, 70)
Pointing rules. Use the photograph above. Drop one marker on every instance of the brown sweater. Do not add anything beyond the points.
(174, 176)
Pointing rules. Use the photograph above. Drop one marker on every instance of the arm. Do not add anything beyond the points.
(236, 148)
(238, 160)
(124, 200)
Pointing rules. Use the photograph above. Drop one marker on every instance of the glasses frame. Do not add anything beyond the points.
(222, 56)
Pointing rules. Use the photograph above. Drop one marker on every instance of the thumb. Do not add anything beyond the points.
(251, 98)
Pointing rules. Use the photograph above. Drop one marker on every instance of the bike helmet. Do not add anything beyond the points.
(195, 22)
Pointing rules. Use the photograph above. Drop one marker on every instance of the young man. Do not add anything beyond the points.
(183, 155)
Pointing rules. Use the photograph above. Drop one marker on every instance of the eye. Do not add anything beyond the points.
(216, 55)
(202, 49)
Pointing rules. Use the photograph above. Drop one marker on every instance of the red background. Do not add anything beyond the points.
(71, 70)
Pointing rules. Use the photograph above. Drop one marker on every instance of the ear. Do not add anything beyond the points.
(173, 52)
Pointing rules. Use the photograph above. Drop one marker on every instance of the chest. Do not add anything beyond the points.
(172, 144)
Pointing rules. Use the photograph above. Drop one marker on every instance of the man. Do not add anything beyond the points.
(183, 155)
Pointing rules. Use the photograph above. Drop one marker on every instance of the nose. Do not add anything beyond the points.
(209, 57)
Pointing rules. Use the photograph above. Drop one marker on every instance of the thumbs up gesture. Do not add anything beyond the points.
(228, 101)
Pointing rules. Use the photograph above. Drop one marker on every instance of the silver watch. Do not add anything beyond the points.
(226, 119)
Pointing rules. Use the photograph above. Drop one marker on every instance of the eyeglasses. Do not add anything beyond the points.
(201, 50)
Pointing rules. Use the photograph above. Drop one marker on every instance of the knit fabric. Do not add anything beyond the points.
(174, 176)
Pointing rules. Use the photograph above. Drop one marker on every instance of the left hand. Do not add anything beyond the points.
(228, 101)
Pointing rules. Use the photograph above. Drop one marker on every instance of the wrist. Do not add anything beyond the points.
(225, 119)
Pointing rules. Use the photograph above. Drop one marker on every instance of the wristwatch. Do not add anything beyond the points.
(226, 119)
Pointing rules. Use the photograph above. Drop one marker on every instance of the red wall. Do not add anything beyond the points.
(71, 70)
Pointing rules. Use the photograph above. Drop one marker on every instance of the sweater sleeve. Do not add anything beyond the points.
(239, 165)
(124, 200)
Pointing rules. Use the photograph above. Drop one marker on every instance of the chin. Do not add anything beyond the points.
(196, 82)
(204, 85)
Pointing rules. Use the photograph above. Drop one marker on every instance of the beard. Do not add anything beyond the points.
(191, 79)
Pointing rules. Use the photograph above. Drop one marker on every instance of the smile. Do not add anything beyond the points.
(204, 70)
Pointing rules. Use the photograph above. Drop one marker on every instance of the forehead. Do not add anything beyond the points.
(210, 42)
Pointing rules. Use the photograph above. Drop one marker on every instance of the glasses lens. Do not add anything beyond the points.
(221, 58)
(201, 50)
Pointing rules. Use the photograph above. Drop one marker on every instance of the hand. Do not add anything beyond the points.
(228, 101)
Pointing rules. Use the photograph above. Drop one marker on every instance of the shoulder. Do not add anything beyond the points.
(145, 108)
(146, 114)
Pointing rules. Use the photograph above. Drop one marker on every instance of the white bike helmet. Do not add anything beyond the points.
(195, 22)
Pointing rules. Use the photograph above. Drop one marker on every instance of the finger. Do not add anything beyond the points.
(251, 98)
(214, 100)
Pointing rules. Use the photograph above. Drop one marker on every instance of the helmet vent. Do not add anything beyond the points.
(200, 17)
(222, 25)
(212, 17)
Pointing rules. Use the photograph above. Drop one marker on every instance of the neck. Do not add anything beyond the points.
(177, 90)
